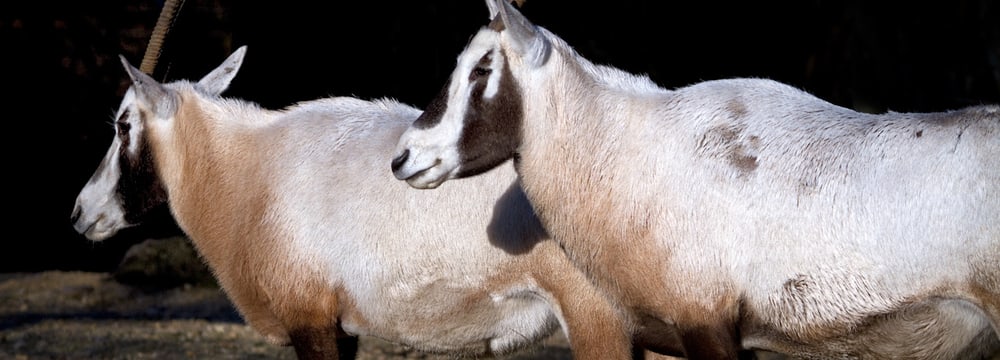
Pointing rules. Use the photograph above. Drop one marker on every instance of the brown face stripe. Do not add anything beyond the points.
(492, 127)
(139, 188)
(434, 111)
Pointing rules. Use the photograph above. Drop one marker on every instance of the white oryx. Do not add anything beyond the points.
(742, 213)
(312, 240)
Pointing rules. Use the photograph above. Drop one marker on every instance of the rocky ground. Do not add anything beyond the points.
(89, 315)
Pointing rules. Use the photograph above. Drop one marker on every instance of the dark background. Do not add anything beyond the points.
(62, 80)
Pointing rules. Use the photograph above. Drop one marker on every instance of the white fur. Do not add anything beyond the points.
(304, 227)
(818, 231)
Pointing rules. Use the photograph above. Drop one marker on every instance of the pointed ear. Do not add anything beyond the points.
(149, 91)
(218, 80)
(493, 5)
(529, 43)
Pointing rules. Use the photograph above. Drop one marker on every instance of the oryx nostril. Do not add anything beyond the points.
(75, 215)
(399, 160)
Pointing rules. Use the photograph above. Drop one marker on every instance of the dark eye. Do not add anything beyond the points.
(122, 122)
(479, 72)
(123, 127)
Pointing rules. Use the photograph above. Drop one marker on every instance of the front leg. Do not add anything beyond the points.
(658, 339)
(594, 329)
(595, 338)
(323, 344)
(712, 341)
(347, 347)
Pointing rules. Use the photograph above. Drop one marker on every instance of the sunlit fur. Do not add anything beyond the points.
(744, 213)
(311, 238)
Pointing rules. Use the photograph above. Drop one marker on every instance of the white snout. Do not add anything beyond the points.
(421, 170)
(97, 226)
(425, 158)
(97, 214)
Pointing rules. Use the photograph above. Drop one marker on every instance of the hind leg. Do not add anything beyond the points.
(991, 305)
(984, 287)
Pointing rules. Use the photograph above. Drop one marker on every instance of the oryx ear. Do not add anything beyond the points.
(218, 80)
(529, 43)
(494, 6)
(149, 92)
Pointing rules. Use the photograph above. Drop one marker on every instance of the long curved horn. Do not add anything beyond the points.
(163, 25)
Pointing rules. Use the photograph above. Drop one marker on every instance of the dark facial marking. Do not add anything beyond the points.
(491, 134)
(434, 111)
(481, 72)
(122, 128)
(139, 187)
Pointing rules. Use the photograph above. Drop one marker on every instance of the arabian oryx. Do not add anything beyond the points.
(312, 240)
(744, 214)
